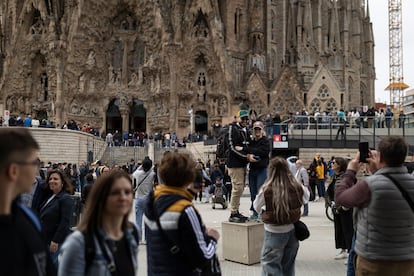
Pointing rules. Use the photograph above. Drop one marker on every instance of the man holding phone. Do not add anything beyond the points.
(384, 235)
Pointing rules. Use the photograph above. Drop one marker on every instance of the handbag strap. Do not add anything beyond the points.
(136, 188)
(403, 192)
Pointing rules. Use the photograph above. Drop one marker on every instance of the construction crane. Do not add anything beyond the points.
(396, 85)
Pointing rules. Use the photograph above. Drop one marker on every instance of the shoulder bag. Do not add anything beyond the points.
(301, 230)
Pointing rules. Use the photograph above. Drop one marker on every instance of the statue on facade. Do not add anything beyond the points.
(90, 61)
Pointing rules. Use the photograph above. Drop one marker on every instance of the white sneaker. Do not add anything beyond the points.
(341, 255)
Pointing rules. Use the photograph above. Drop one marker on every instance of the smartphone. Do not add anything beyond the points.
(363, 152)
(257, 157)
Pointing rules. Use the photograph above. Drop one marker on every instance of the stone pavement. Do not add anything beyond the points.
(315, 255)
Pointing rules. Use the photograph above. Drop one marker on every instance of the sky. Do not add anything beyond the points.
(379, 17)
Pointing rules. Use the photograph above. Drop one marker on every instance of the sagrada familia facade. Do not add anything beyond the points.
(143, 65)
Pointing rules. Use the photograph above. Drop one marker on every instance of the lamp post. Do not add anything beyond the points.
(191, 124)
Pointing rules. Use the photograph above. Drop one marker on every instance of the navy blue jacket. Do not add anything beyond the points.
(184, 228)
(55, 218)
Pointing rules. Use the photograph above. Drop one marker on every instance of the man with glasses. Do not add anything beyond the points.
(24, 250)
(237, 161)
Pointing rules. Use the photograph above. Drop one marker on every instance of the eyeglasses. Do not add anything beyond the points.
(244, 118)
(35, 163)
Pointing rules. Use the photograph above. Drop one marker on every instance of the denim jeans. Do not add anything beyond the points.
(305, 209)
(279, 253)
(350, 271)
(140, 204)
(54, 255)
(320, 183)
(256, 179)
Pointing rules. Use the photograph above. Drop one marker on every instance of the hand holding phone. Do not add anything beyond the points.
(363, 152)
(256, 157)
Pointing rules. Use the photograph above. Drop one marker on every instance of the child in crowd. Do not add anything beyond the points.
(218, 190)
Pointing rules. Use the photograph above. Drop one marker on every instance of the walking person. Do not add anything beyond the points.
(342, 122)
(143, 179)
(302, 177)
(259, 148)
(320, 178)
(105, 242)
(385, 211)
(343, 222)
(178, 241)
(24, 248)
(56, 212)
(279, 201)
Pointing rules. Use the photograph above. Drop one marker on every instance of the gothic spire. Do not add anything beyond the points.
(308, 24)
(334, 34)
(291, 31)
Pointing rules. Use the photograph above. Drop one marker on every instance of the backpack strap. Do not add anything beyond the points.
(89, 250)
(29, 213)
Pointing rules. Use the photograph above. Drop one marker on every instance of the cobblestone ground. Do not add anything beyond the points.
(315, 255)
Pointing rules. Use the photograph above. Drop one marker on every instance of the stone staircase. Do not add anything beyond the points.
(122, 155)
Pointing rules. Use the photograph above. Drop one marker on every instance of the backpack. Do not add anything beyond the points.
(223, 143)
(218, 191)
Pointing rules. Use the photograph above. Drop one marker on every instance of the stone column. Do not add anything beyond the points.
(59, 84)
(125, 116)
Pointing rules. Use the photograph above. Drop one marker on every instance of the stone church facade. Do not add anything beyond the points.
(143, 65)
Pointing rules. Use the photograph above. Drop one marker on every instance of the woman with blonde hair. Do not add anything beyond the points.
(105, 242)
(279, 201)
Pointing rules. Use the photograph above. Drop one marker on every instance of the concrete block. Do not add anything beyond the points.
(242, 242)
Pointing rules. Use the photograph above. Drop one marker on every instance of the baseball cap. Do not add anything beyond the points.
(258, 124)
(243, 113)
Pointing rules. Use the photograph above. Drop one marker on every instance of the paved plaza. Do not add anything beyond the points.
(315, 255)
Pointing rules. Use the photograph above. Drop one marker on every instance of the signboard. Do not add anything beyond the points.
(280, 141)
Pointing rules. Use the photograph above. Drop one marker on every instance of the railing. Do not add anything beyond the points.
(306, 132)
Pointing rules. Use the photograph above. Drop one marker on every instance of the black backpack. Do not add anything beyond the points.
(223, 143)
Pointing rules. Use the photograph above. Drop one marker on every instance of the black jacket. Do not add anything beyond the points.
(260, 148)
(55, 218)
(24, 251)
(238, 137)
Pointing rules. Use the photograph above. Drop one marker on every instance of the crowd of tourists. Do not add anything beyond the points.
(36, 218)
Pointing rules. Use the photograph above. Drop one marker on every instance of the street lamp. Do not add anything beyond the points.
(191, 124)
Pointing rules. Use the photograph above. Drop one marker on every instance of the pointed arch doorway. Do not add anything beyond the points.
(113, 117)
(138, 117)
(201, 122)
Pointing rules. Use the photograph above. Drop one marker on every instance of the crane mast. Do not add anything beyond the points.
(396, 85)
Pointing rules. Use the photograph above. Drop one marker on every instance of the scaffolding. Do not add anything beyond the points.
(396, 85)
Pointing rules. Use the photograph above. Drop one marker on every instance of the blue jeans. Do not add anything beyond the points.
(140, 204)
(54, 255)
(350, 271)
(320, 183)
(305, 209)
(256, 179)
(279, 253)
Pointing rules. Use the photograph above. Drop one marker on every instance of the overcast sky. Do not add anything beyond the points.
(379, 17)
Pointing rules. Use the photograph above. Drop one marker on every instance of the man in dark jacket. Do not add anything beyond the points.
(239, 140)
(24, 249)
